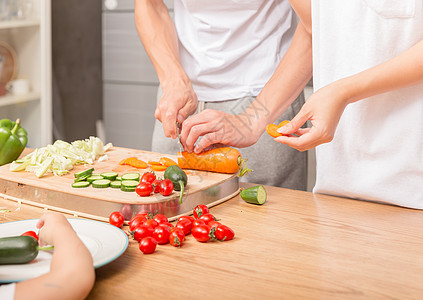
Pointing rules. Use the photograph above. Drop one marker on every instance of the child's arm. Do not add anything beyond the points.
(71, 273)
(325, 107)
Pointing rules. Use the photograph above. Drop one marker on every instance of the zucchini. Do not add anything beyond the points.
(110, 175)
(128, 185)
(80, 184)
(84, 173)
(131, 176)
(116, 184)
(178, 177)
(94, 177)
(82, 178)
(254, 195)
(18, 249)
(101, 183)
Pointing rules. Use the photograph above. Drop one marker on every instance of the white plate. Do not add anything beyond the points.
(104, 241)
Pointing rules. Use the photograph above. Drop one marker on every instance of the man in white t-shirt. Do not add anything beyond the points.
(212, 62)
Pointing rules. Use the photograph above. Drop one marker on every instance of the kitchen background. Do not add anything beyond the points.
(71, 69)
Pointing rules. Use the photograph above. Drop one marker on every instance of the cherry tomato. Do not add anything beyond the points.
(166, 187)
(144, 189)
(200, 210)
(156, 186)
(198, 222)
(170, 225)
(148, 245)
(176, 237)
(207, 218)
(160, 218)
(185, 225)
(213, 223)
(224, 233)
(136, 221)
(116, 219)
(148, 177)
(189, 218)
(161, 234)
(142, 231)
(30, 233)
(151, 222)
(201, 233)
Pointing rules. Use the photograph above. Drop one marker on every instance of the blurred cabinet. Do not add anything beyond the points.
(129, 80)
(30, 37)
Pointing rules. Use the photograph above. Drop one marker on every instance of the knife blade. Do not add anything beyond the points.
(178, 129)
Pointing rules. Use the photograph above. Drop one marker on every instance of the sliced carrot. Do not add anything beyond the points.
(158, 168)
(139, 164)
(154, 163)
(165, 161)
(123, 161)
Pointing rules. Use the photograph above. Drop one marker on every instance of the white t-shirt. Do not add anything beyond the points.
(377, 151)
(230, 48)
(7, 291)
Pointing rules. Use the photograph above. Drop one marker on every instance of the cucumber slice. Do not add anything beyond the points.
(101, 183)
(254, 195)
(128, 185)
(80, 184)
(119, 178)
(131, 176)
(82, 178)
(110, 175)
(116, 184)
(84, 173)
(94, 177)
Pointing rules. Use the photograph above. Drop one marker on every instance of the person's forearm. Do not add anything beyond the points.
(402, 71)
(287, 82)
(158, 35)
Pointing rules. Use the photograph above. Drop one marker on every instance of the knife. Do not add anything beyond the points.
(178, 129)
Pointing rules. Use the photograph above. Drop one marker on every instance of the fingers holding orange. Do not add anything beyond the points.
(272, 129)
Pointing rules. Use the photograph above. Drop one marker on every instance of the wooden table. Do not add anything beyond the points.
(298, 245)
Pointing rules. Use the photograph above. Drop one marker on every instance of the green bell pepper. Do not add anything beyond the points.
(13, 139)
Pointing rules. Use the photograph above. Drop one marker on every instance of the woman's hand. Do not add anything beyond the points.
(324, 110)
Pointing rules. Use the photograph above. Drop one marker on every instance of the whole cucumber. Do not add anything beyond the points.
(18, 249)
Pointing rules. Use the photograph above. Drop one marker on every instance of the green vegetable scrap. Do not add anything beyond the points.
(13, 139)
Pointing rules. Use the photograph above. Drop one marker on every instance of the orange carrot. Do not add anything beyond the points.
(139, 164)
(271, 129)
(222, 160)
(158, 168)
(165, 161)
(152, 162)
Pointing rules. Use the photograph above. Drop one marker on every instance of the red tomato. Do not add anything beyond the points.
(161, 234)
(200, 210)
(170, 225)
(166, 187)
(148, 245)
(189, 218)
(213, 223)
(185, 225)
(156, 185)
(136, 221)
(207, 218)
(198, 222)
(142, 231)
(144, 189)
(224, 233)
(151, 222)
(201, 233)
(116, 219)
(176, 237)
(148, 177)
(160, 218)
(30, 233)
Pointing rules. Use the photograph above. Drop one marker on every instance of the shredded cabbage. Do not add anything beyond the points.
(60, 157)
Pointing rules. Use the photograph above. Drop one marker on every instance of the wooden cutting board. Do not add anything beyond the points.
(56, 192)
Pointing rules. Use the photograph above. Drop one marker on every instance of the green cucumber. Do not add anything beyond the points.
(116, 184)
(129, 185)
(131, 176)
(254, 195)
(80, 184)
(101, 183)
(84, 173)
(110, 175)
(94, 177)
(82, 178)
(119, 178)
(18, 249)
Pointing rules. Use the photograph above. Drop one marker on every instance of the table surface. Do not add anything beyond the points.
(297, 245)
